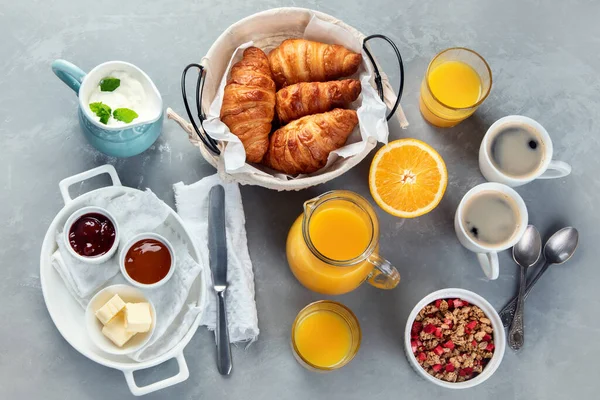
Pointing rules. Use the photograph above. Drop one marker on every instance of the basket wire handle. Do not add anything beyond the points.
(209, 142)
(378, 75)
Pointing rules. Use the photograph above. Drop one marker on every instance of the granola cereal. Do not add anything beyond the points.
(452, 340)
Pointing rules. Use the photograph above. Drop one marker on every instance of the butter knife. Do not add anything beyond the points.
(217, 247)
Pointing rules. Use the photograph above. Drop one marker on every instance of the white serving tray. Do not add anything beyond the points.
(69, 317)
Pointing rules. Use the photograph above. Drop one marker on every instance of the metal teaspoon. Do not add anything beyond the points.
(558, 250)
(526, 253)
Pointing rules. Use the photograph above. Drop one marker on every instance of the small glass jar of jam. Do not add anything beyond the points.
(147, 260)
(91, 235)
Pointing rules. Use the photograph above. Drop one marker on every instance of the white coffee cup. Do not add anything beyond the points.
(548, 168)
(488, 255)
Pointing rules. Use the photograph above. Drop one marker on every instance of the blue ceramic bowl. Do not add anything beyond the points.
(121, 141)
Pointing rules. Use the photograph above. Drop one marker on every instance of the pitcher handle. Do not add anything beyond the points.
(384, 275)
(69, 73)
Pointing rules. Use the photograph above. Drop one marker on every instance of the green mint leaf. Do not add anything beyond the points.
(125, 114)
(101, 110)
(109, 84)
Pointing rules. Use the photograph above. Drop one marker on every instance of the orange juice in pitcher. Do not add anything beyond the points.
(333, 247)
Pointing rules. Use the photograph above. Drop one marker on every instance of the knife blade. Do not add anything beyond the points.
(217, 248)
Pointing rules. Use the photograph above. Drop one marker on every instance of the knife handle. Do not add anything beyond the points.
(223, 347)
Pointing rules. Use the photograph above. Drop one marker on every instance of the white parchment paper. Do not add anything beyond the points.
(370, 108)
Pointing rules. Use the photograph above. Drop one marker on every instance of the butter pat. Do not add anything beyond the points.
(108, 311)
(115, 330)
(138, 317)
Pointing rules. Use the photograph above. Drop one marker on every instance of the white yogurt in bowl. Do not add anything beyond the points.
(130, 94)
(135, 91)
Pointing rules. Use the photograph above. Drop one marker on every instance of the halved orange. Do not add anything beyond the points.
(408, 178)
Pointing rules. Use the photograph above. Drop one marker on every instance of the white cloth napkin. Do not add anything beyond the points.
(192, 206)
(138, 212)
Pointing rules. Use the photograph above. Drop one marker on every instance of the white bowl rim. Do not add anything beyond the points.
(490, 312)
(114, 349)
(137, 238)
(78, 214)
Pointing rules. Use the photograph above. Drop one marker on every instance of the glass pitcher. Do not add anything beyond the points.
(333, 246)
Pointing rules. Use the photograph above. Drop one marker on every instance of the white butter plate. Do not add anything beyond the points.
(128, 294)
(69, 317)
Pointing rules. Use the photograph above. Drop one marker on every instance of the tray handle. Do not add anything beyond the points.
(209, 142)
(378, 75)
(181, 376)
(68, 182)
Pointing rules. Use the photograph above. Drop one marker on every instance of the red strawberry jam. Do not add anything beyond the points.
(92, 235)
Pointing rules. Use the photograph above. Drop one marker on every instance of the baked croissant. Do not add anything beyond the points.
(303, 145)
(305, 98)
(249, 103)
(299, 60)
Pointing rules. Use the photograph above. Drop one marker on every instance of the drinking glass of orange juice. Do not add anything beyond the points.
(325, 336)
(457, 81)
(333, 246)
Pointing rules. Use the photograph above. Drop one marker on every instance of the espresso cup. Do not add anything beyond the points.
(546, 169)
(487, 253)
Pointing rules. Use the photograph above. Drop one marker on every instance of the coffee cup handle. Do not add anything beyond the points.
(489, 264)
(556, 169)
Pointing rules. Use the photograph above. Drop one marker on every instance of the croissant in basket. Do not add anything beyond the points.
(303, 145)
(299, 60)
(249, 103)
(296, 101)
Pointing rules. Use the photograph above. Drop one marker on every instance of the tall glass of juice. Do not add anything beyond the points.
(457, 81)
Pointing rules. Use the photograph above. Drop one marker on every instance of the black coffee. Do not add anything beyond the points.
(517, 152)
(491, 218)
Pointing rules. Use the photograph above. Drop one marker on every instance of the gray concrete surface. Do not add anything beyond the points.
(545, 59)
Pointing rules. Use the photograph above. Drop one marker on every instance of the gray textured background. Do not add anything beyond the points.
(544, 56)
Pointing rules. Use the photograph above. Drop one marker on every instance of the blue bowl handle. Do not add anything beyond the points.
(69, 74)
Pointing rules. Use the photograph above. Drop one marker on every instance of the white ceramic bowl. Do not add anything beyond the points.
(94, 326)
(91, 210)
(490, 312)
(134, 240)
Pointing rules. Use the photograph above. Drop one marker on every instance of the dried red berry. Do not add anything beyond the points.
(472, 324)
(449, 344)
(416, 328)
(413, 346)
(438, 350)
(437, 367)
(429, 328)
(449, 368)
(422, 356)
